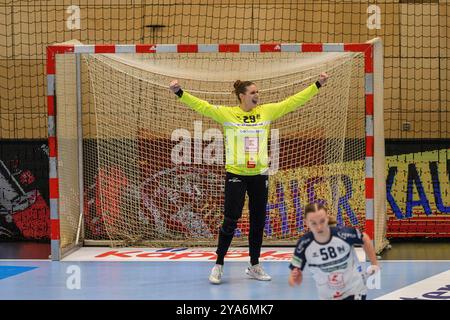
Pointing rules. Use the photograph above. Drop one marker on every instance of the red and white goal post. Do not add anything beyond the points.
(114, 128)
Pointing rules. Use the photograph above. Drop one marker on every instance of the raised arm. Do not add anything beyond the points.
(201, 106)
(279, 109)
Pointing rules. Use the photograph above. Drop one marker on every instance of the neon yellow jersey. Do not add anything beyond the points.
(247, 133)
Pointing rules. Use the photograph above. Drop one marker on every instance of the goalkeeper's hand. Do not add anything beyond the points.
(323, 78)
(174, 86)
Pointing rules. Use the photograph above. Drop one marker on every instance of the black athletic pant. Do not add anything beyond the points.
(235, 188)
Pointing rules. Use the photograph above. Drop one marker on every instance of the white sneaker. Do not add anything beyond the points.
(258, 273)
(216, 274)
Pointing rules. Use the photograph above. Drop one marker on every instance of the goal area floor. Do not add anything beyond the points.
(180, 274)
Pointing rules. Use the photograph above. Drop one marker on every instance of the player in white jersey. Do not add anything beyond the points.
(331, 257)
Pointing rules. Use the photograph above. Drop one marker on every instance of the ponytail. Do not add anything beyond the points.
(241, 87)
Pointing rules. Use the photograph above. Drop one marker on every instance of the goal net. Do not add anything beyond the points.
(136, 167)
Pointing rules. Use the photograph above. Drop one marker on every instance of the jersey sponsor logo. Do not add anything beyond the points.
(332, 269)
(344, 235)
(251, 144)
(302, 245)
(333, 265)
(251, 131)
(259, 124)
(336, 280)
(340, 249)
(251, 164)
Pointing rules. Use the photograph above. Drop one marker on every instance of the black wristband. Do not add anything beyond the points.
(179, 92)
(318, 85)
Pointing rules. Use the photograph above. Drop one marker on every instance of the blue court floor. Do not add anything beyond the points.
(179, 280)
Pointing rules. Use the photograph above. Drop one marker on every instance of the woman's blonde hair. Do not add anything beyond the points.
(316, 206)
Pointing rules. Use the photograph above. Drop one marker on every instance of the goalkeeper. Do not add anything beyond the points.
(331, 257)
(246, 128)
